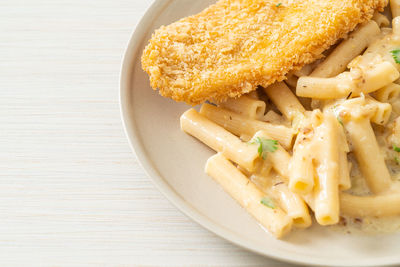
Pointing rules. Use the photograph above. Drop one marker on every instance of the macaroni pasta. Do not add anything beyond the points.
(279, 159)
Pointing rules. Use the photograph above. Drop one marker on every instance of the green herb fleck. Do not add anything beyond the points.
(265, 146)
(396, 158)
(339, 120)
(266, 201)
(278, 5)
(396, 148)
(396, 55)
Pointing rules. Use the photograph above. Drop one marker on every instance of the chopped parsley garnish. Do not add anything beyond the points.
(396, 148)
(396, 55)
(278, 5)
(265, 145)
(266, 201)
(339, 120)
(396, 158)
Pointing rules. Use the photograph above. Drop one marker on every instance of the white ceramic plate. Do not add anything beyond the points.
(175, 162)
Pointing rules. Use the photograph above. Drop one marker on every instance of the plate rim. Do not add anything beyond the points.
(125, 84)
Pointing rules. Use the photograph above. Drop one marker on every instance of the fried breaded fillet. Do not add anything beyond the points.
(235, 45)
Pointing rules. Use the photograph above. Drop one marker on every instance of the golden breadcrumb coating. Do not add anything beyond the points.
(235, 45)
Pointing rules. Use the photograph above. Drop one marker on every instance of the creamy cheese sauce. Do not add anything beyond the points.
(386, 135)
(373, 225)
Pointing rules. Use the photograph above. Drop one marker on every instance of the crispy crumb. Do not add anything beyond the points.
(234, 46)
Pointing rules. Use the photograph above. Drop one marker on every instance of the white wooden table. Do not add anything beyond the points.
(71, 191)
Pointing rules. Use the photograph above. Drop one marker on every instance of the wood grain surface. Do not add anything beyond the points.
(71, 191)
